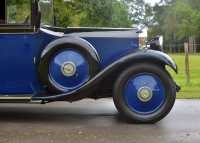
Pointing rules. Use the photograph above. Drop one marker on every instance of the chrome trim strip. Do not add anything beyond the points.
(59, 34)
(106, 34)
(15, 98)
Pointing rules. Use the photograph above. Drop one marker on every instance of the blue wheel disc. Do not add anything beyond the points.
(144, 93)
(69, 69)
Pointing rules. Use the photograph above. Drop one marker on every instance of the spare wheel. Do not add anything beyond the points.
(66, 66)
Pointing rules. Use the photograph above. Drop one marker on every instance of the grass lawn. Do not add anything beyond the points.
(192, 89)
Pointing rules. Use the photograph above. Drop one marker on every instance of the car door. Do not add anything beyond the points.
(17, 47)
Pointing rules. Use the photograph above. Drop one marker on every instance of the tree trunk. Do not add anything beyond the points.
(170, 49)
(195, 45)
(179, 47)
(190, 44)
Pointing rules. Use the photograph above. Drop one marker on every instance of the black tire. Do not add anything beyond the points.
(119, 91)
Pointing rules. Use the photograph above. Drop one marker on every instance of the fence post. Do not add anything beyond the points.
(187, 70)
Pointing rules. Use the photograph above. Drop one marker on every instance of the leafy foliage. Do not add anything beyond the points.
(92, 13)
(17, 10)
(177, 20)
(140, 13)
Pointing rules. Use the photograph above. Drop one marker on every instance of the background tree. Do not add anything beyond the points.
(65, 13)
(176, 20)
(92, 13)
(140, 13)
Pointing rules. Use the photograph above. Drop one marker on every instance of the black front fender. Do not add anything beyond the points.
(136, 55)
(157, 56)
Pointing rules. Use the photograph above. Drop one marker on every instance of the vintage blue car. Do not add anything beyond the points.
(40, 61)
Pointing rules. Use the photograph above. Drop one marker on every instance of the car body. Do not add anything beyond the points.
(40, 61)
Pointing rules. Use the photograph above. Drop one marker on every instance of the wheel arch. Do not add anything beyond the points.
(152, 56)
(141, 56)
(70, 41)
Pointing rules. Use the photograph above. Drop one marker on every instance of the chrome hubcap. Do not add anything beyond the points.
(144, 94)
(68, 69)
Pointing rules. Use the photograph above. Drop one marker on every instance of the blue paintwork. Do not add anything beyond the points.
(110, 49)
(42, 40)
(17, 69)
(138, 81)
(82, 69)
(18, 72)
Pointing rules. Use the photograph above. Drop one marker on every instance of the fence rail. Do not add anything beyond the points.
(179, 48)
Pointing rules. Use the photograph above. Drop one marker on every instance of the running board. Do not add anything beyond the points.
(15, 98)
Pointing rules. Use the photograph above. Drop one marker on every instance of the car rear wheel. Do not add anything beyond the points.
(144, 93)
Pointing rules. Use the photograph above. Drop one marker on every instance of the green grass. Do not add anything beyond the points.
(192, 89)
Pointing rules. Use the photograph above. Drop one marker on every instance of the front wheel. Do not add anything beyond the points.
(144, 93)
